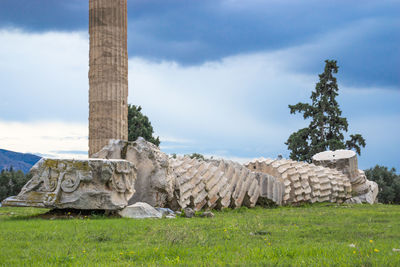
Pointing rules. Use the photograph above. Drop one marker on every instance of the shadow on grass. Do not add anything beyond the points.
(62, 214)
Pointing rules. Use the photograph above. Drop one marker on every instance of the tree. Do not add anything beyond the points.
(11, 182)
(388, 182)
(139, 125)
(325, 131)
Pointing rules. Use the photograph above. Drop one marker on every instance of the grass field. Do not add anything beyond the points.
(296, 236)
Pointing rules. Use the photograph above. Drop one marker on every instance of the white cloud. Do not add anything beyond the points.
(238, 98)
(235, 108)
(43, 76)
(51, 139)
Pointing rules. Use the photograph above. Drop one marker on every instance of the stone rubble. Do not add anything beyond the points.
(188, 212)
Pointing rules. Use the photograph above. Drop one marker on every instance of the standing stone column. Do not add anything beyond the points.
(108, 73)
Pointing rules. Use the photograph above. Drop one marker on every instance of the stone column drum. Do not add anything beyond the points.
(108, 73)
(342, 160)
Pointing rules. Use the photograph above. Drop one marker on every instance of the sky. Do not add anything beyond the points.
(213, 76)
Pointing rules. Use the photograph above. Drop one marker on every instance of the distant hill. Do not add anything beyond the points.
(19, 161)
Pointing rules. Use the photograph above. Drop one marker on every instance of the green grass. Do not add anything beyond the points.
(317, 235)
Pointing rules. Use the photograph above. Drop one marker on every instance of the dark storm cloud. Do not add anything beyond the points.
(192, 32)
(44, 15)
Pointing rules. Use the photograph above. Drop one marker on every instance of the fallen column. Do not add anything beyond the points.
(346, 162)
(305, 183)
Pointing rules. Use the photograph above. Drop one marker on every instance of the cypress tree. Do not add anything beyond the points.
(327, 127)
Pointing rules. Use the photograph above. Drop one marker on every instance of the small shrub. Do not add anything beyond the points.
(196, 156)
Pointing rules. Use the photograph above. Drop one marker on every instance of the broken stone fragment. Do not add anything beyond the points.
(154, 183)
(140, 210)
(165, 211)
(189, 213)
(94, 184)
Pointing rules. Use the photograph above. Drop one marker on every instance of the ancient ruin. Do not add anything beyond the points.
(182, 182)
(126, 173)
(108, 73)
(206, 184)
(78, 184)
(346, 162)
(130, 172)
(154, 183)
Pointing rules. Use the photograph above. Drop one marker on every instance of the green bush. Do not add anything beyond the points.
(11, 182)
(196, 156)
(388, 182)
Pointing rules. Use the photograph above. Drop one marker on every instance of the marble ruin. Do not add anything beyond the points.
(78, 184)
(305, 182)
(108, 73)
(213, 184)
(346, 162)
(334, 177)
(154, 182)
(123, 173)
(182, 182)
(126, 173)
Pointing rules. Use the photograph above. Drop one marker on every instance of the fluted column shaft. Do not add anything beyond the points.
(108, 73)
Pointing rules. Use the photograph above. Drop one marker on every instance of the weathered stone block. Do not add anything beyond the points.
(154, 183)
(140, 210)
(342, 160)
(78, 184)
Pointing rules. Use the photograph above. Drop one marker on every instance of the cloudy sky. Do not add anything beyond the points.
(213, 76)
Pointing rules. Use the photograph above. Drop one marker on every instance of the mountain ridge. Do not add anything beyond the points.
(17, 160)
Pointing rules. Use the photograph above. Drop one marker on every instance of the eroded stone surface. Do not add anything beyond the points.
(154, 184)
(342, 160)
(78, 184)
